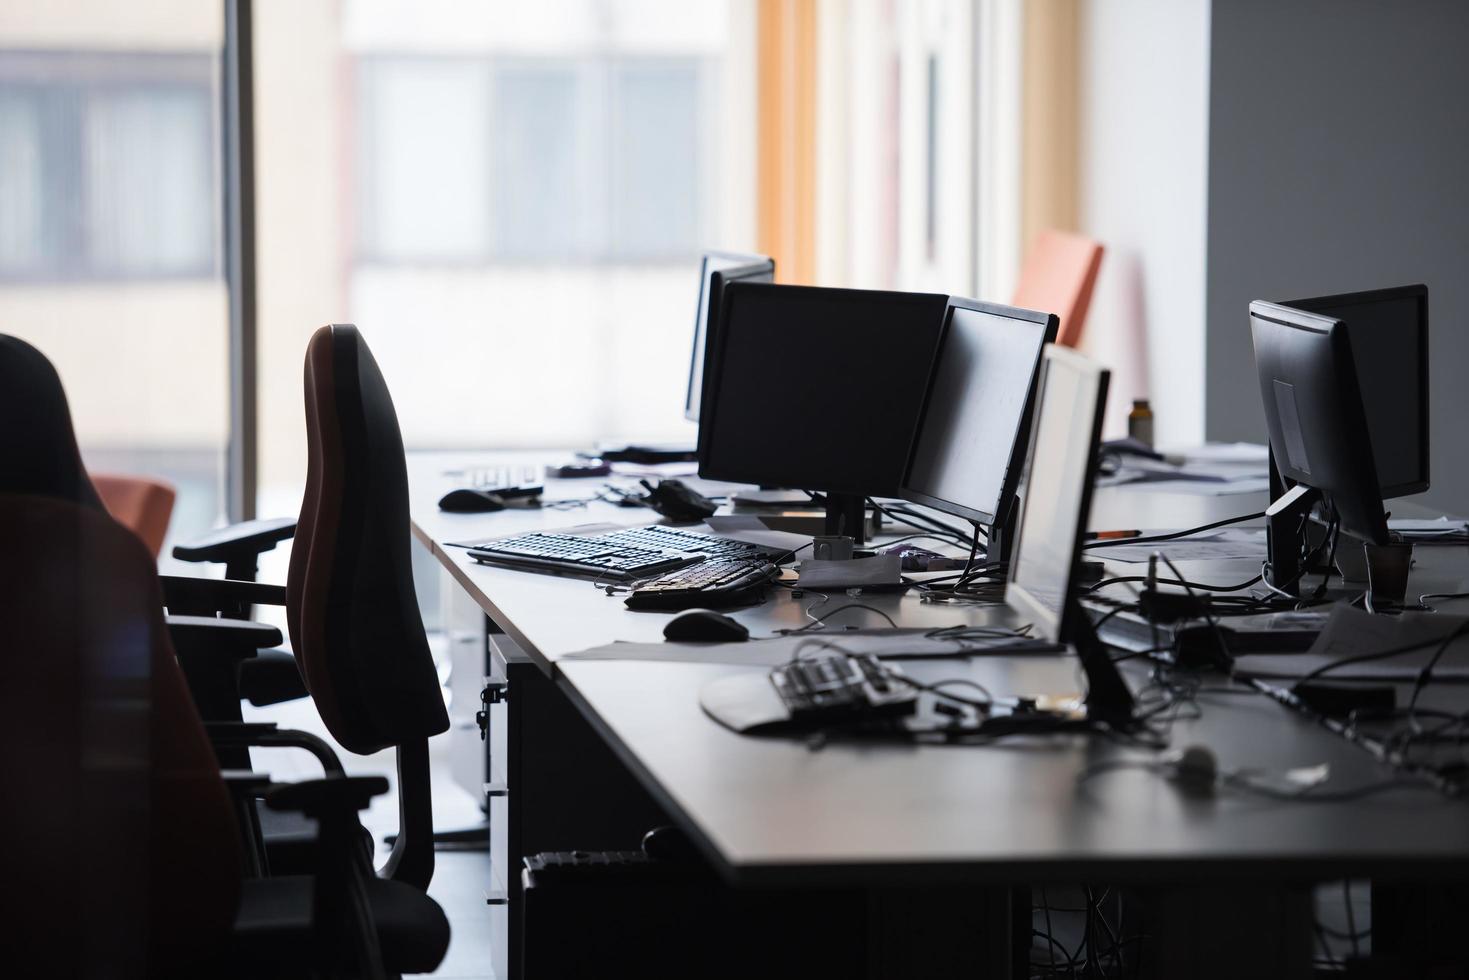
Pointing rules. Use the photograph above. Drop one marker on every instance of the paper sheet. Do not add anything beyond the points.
(1351, 632)
(1211, 545)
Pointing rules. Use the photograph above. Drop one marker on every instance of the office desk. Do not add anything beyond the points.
(774, 812)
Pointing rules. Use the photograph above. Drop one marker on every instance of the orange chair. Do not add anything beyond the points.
(1058, 277)
(141, 505)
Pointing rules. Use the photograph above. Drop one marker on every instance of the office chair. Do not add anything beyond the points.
(351, 607)
(141, 505)
(112, 752)
(1058, 276)
(39, 447)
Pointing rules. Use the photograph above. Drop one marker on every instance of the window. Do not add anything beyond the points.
(107, 166)
(517, 159)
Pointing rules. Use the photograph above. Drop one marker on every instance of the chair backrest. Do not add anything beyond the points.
(38, 448)
(1058, 276)
(350, 602)
(104, 751)
(141, 505)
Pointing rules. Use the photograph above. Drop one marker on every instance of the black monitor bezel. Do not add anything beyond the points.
(1017, 597)
(1372, 527)
(1418, 291)
(732, 292)
(753, 265)
(1016, 461)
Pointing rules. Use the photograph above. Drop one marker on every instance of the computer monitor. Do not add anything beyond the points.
(975, 425)
(1061, 462)
(1061, 465)
(1313, 409)
(1389, 334)
(818, 389)
(717, 269)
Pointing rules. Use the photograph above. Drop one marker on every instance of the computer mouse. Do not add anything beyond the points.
(678, 502)
(1196, 768)
(704, 626)
(467, 501)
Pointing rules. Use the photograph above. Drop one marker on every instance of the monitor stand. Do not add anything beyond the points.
(846, 514)
(1283, 522)
(1107, 698)
(1001, 540)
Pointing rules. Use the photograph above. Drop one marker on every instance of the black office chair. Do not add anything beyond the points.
(39, 447)
(109, 752)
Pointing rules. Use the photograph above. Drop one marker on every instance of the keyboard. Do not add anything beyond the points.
(621, 555)
(708, 585)
(834, 688)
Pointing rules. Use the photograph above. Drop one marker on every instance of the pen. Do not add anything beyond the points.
(1112, 535)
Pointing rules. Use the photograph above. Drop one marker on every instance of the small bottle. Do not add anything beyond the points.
(1140, 422)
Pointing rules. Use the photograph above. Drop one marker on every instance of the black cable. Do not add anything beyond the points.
(1203, 586)
(1173, 535)
(1380, 654)
(1346, 894)
(821, 620)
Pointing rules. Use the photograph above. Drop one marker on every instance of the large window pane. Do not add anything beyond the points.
(424, 193)
(656, 163)
(548, 154)
(110, 230)
(508, 201)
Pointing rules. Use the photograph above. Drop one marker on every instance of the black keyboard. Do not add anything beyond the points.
(710, 584)
(627, 553)
(835, 688)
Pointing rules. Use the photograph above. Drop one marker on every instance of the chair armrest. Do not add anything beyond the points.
(210, 652)
(266, 734)
(325, 798)
(238, 545)
(271, 677)
(244, 781)
(188, 595)
(222, 637)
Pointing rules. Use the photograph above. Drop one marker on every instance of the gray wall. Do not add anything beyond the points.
(1339, 160)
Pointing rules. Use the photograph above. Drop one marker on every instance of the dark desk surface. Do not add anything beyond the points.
(773, 809)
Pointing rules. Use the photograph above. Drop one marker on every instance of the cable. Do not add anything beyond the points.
(1164, 581)
(1423, 599)
(1380, 654)
(819, 621)
(1346, 895)
(1174, 535)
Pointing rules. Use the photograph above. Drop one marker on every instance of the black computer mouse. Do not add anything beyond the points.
(704, 626)
(678, 501)
(467, 501)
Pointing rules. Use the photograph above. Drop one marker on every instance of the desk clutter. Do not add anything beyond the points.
(878, 557)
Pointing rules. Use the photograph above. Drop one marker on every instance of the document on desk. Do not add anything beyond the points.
(1240, 542)
(1352, 632)
(887, 644)
(1223, 471)
(1438, 530)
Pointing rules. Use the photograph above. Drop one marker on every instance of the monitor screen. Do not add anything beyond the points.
(1056, 488)
(716, 269)
(1389, 333)
(817, 389)
(1315, 414)
(972, 436)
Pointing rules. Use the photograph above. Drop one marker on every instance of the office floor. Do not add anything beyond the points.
(460, 877)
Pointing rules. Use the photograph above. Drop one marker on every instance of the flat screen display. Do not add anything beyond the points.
(1389, 336)
(716, 269)
(1056, 489)
(818, 389)
(971, 440)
